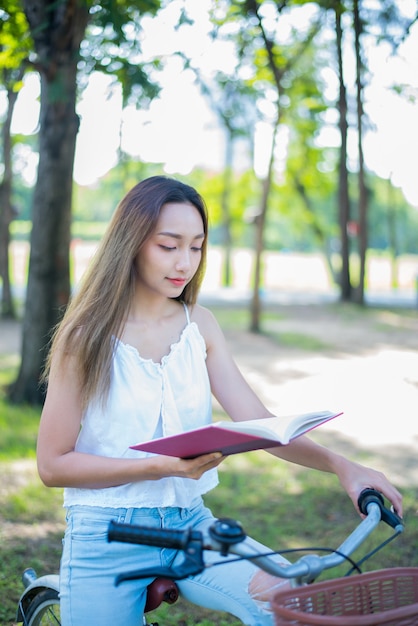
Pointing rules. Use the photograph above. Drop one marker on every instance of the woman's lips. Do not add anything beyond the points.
(178, 282)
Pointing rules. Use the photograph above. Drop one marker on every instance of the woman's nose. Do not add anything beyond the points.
(183, 261)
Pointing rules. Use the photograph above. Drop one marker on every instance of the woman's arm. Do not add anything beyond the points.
(353, 477)
(59, 465)
(241, 403)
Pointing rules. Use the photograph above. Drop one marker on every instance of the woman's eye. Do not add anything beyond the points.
(197, 249)
(167, 247)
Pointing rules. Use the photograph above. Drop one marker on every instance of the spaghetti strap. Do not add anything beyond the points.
(186, 309)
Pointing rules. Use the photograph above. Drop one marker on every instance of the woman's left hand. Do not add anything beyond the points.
(355, 477)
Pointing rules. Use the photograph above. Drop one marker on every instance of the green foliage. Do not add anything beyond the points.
(113, 46)
(232, 317)
(20, 229)
(18, 424)
(393, 223)
(97, 202)
(33, 501)
(15, 42)
(40, 549)
(243, 194)
(88, 231)
(291, 224)
(296, 340)
(303, 204)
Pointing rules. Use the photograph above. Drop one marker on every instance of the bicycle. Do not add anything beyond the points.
(391, 594)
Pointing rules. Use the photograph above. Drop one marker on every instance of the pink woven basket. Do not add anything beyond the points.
(388, 597)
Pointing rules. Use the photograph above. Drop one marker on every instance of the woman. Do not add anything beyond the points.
(136, 358)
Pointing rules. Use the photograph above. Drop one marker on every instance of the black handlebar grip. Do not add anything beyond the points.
(367, 496)
(389, 517)
(161, 538)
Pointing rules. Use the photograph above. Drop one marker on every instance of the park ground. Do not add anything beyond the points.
(313, 353)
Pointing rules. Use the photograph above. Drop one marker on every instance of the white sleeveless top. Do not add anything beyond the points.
(148, 400)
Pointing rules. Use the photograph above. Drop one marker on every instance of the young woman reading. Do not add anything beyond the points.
(135, 358)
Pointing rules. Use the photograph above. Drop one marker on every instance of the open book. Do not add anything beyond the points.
(234, 437)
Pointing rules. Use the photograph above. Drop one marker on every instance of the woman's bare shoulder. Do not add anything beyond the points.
(207, 323)
(201, 315)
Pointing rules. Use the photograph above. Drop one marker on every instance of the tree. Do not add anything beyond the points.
(282, 71)
(58, 30)
(231, 99)
(14, 46)
(382, 22)
(362, 189)
(281, 61)
(310, 168)
(386, 24)
(344, 209)
(7, 210)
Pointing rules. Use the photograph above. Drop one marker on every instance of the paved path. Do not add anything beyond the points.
(10, 337)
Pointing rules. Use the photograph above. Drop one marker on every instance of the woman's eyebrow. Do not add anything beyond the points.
(178, 236)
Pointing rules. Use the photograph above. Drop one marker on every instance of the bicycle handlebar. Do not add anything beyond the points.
(226, 536)
(158, 537)
(388, 516)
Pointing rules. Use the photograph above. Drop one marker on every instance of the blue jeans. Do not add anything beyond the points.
(90, 564)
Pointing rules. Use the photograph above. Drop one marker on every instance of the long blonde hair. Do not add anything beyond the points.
(98, 309)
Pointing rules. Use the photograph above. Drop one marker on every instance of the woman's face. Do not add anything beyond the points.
(170, 257)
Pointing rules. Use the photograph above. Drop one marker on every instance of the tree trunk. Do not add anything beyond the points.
(6, 211)
(343, 194)
(226, 212)
(260, 222)
(392, 236)
(363, 197)
(318, 231)
(57, 30)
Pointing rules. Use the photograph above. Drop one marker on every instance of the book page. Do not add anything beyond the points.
(283, 428)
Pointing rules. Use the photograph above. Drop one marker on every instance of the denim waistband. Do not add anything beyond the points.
(132, 515)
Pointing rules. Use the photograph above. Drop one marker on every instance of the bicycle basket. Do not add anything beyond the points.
(384, 597)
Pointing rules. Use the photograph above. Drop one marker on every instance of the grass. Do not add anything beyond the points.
(281, 505)
(239, 319)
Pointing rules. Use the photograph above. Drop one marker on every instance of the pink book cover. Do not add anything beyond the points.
(214, 438)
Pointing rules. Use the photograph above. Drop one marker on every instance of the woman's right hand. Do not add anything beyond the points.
(188, 468)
